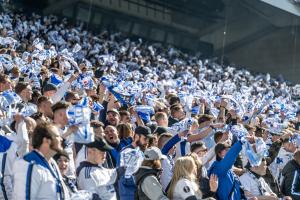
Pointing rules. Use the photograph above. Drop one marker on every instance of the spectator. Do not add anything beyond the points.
(291, 177)
(147, 177)
(183, 184)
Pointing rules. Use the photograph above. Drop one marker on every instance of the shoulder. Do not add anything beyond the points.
(150, 180)
(84, 172)
(246, 179)
(185, 188)
(288, 168)
(185, 185)
(20, 164)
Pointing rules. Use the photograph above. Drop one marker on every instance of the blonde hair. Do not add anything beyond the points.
(184, 168)
(198, 164)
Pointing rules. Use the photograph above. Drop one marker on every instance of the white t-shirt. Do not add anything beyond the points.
(185, 188)
(253, 185)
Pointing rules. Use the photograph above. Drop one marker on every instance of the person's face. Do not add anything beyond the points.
(56, 140)
(50, 93)
(63, 164)
(46, 108)
(125, 119)
(113, 118)
(298, 117)
(154, 141)
(60, 116)
(6, 86)
(111, 135)
(74, 101)
(180, 114)
(223, 153)
(163, 121)
(26, 94)
(201, 151)
(97, 156)
(142, 142)
(290, 147)
(262, 168)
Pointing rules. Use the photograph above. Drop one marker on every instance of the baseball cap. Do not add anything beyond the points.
(99, 144)
(113, 110)
(143, 130)
(153, 153)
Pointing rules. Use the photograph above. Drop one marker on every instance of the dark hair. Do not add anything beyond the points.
(196, 145)
(41, 99)
(69, 96)
(3, 78)
(57, 156)
(174, 100)
(218, 135)
(218, 148)
(60, 105)
(204, 118)
(40, 132)
(37, 115)
(124, 113)
(96, 124)
(154, 164)
(20, 87)
(249, 127)
(36, 94)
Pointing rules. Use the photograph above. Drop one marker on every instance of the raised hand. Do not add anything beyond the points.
(213, 183)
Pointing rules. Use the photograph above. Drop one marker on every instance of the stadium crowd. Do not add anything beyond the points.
(102, 116)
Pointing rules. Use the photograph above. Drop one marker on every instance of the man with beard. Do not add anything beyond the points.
(112, 117)
(126, 184)
(37, 176)
(141, 137)
(44, 106)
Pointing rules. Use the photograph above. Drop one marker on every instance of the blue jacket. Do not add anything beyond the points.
(169, 145)
(115, 152)
(228, 181)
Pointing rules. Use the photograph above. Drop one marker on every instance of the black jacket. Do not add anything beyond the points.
(172, 121)
(291, 180)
